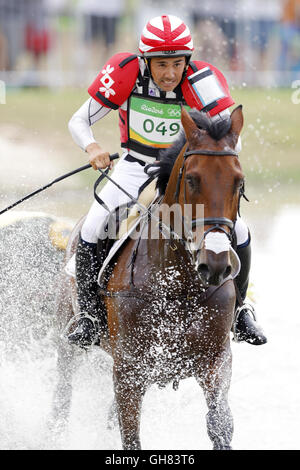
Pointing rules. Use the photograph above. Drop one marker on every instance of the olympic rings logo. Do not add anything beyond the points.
(174, 112)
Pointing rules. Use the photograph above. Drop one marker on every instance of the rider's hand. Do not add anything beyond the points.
(98, 157)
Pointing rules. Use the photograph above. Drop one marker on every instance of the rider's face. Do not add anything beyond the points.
(167, 72)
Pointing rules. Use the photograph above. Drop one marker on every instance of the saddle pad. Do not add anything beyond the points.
(116, 246)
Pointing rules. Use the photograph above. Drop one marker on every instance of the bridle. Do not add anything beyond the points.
(169, 233)
(215, 222)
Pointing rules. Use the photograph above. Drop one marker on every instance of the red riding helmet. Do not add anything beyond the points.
(166, 35)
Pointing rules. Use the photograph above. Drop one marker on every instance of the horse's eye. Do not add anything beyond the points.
(239, 184)
(193, 182)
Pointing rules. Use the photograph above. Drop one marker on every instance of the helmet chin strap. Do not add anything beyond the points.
(185, 70)
(147, 62)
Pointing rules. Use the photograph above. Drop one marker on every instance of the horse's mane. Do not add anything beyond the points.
(167, 157)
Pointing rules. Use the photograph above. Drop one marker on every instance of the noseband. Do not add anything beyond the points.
(216, 222)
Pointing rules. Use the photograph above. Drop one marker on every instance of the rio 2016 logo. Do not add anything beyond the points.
(296, 94)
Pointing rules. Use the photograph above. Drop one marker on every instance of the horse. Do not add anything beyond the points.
(170, 299)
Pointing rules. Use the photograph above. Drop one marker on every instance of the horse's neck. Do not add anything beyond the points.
(168, 262)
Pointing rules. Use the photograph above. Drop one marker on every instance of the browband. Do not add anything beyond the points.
(216, 153)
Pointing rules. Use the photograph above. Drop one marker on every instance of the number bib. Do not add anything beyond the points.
(153, 123)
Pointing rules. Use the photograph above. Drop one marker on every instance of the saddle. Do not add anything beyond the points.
(118, 227)
(120, 224)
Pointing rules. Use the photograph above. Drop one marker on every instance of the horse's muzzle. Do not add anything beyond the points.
(214, 268)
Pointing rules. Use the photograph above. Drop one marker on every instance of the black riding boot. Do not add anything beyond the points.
(92, 314)
(245, 327)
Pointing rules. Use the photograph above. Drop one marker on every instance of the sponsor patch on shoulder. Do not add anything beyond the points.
(206, 86)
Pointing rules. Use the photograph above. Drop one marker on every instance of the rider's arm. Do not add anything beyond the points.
(80, 128)
(81, 121)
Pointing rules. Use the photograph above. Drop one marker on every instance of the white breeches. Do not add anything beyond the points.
(130, 176)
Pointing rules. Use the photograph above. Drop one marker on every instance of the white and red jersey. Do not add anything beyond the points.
(149, 119)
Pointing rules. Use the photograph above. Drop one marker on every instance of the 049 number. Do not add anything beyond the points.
(172, 129)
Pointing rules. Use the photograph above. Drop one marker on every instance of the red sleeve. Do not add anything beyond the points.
(115, 81)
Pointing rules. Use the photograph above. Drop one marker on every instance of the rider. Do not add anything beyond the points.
(143, 88)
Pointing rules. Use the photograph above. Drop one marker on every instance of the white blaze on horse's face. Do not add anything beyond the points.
(213, 260)
(216, 242)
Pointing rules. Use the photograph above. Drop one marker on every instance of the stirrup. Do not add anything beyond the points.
(248, 307)
(84, 339)
(254, 336)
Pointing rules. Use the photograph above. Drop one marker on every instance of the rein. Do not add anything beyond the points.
(145, 211)
(215, 222)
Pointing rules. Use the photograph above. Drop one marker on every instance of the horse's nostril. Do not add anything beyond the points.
(203, 270)
(228, 270)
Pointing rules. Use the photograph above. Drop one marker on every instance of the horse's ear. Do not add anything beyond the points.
(189, 126)
(237, 121)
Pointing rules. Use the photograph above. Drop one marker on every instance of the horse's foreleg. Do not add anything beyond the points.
(215, 382)
(129, 391)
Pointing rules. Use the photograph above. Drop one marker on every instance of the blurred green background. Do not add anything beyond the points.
(270, 138)
(50, 51)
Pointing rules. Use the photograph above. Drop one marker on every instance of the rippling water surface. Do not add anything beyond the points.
(265, 388)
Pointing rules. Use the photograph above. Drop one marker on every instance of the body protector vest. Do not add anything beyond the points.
(149, 122)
